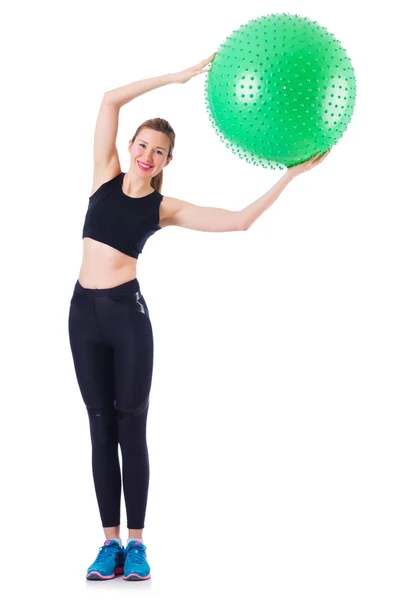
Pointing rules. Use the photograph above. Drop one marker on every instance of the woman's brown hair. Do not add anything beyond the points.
(162, 126)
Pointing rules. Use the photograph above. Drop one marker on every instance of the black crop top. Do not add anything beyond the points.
(120, 221)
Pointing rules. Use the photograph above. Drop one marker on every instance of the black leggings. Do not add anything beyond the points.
(111, 340)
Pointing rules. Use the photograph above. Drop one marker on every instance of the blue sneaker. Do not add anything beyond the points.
(136, 567)
(108, 563)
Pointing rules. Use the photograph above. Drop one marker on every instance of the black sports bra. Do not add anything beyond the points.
(120, 221)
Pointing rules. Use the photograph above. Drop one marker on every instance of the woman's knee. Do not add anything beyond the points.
(103, 425)
(131, 425)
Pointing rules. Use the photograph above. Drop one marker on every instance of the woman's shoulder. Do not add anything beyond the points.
(103, 178)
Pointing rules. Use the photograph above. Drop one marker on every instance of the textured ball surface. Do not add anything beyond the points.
(280, 89)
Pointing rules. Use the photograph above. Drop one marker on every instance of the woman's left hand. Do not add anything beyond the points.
(187, 74)
(308, 164)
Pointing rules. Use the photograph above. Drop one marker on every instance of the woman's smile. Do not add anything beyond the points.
(144, 166)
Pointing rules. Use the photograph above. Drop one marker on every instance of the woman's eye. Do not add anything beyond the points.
(159, 151)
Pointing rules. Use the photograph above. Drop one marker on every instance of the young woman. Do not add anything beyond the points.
(110, 331)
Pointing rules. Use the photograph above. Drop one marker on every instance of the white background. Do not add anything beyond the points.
(272, 424)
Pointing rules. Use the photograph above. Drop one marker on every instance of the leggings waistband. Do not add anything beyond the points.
(130, 287)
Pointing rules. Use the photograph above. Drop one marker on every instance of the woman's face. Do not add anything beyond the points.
(149, 153)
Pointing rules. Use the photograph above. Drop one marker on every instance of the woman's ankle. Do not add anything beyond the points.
(112, 532)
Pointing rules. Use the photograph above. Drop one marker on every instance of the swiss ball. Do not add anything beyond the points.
(281, 88)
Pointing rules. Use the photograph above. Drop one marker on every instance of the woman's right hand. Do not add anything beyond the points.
(187, 74)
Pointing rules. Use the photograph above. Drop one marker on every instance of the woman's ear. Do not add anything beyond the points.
(168, 161)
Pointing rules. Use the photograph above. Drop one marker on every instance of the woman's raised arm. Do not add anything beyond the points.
(122, 95)
(126, 93)
(106, 159)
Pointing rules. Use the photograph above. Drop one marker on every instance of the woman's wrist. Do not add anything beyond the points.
(288, 176)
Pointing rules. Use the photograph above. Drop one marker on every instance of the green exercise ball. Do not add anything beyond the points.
(280, 89)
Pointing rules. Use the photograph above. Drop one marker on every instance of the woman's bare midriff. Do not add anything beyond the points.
(104, 266)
